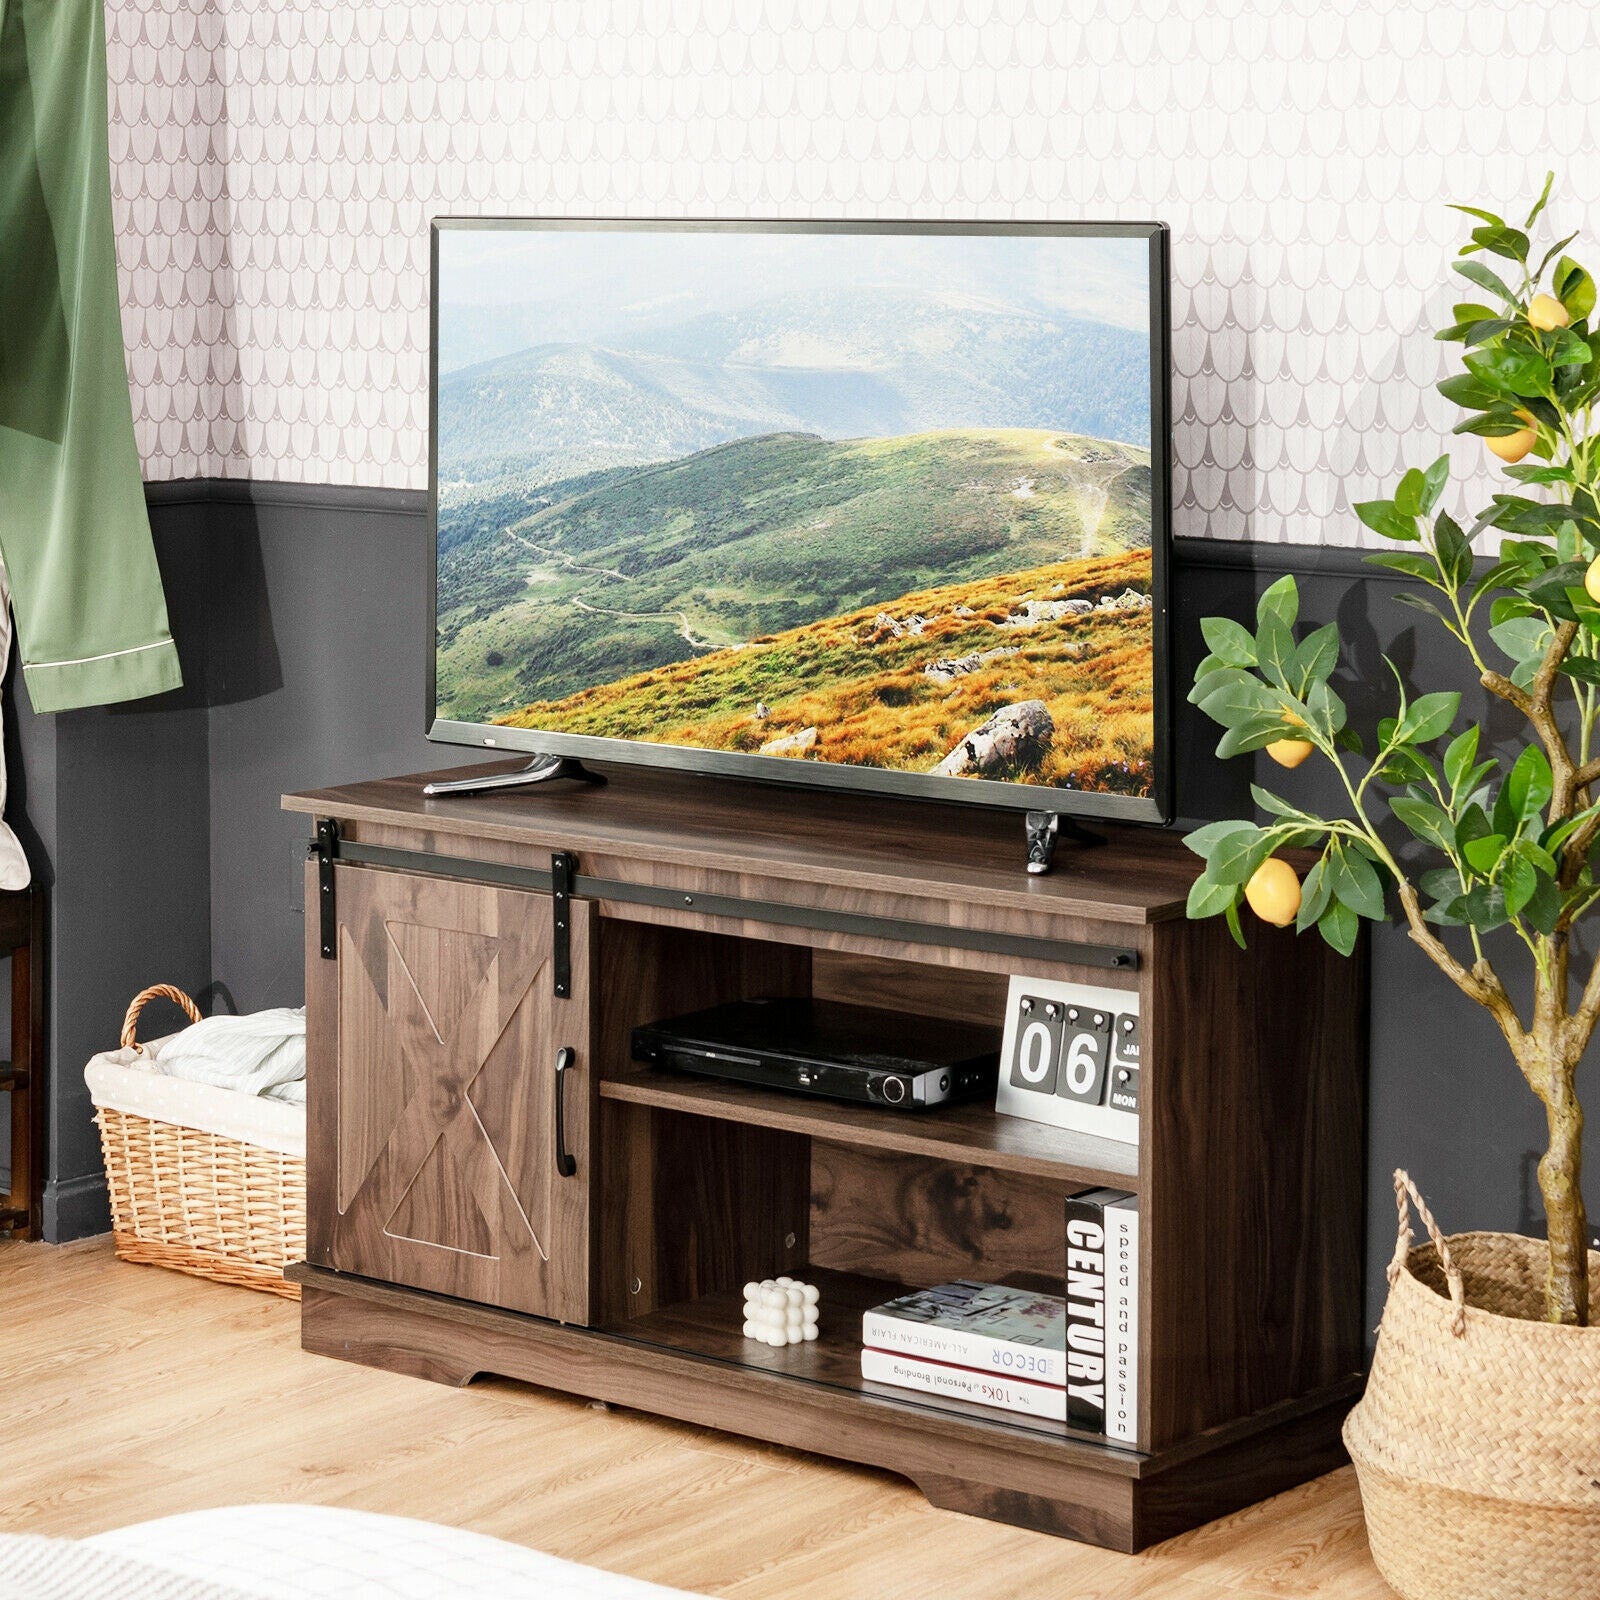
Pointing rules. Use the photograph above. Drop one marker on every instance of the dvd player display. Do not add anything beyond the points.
(840, 1052)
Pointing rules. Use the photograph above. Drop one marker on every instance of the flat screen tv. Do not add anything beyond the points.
(860, 505)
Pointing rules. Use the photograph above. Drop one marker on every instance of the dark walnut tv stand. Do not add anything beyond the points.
(495, 1187)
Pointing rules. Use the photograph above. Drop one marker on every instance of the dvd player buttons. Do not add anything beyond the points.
(894, 1090)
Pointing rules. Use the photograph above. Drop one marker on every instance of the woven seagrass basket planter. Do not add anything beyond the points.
(1477, 1442)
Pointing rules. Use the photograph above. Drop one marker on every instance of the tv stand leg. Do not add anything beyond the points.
(1044, 828)
(542, 769)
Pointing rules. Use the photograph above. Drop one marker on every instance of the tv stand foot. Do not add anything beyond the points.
(1044, 828)
(542, 769)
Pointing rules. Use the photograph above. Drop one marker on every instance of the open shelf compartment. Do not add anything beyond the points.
(709, 1327)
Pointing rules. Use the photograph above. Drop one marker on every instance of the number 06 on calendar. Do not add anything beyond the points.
(1071, 1057)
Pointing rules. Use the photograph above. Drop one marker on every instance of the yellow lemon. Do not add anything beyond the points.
(1546, 313)
(1273, 892)
(1512, 447)
(1591, 580)
(1291, 752)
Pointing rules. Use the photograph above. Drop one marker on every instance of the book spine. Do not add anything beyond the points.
(958, 1383)
(1086, 1313)
(933, 1343)
(1122, 1340)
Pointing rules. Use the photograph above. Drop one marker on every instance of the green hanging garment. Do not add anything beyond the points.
(90, 612)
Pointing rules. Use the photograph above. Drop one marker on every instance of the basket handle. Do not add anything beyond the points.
(1407, 1195)
(156, 991)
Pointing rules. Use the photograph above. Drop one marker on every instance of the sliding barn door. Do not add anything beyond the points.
(457, 1158)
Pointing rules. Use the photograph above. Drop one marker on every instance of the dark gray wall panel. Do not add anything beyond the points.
(112, 806)
(318, 672)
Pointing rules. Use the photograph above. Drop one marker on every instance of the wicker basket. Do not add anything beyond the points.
(1477, 1442)
(199, 1202)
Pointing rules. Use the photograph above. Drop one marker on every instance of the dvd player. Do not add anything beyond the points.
(822, 1047)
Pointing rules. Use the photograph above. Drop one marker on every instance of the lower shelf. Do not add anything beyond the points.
(1059, 1484)
(710, 1327)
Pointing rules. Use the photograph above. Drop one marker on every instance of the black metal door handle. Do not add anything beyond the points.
(566, 1163)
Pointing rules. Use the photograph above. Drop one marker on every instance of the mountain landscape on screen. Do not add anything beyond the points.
(901, 524)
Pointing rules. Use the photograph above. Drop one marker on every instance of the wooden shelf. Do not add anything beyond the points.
(709, 1327)
(973, 1134)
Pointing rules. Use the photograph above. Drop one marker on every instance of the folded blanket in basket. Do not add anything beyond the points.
(263, 1053)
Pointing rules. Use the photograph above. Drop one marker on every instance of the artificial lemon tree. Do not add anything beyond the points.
(1500, 844)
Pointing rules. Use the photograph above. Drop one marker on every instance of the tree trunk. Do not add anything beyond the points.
(1560, 1175)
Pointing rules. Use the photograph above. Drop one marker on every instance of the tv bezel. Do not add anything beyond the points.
(1157, 807)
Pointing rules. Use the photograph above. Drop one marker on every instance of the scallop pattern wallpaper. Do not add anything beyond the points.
(276, 164)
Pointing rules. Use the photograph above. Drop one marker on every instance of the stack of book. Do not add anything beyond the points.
(1070, 1359)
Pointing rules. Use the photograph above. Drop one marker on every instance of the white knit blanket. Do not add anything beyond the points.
(289, 1552)
(33, 1568)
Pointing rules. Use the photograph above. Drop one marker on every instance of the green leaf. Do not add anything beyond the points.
(1485, 278)
(1316, 657)
(1428, 716)
(1204, 840)
(1483, 854)
(1425, 820)
(1473, 823)
(1440, 883)
(1522, 638)
(1275, 651)
(1529, 472)
(1235, 701)
(1232, 914)
(1459, 756)
(1455, 550)
(1325, 710)
(1315, 893)
(1229, 641)
(1383, 517)
(1433, 482)
(1282, 600)
(1482, 216)
(1449, 912)
(1422, 567)
(1254, 733)
(1574, 288)
(1544, 906)
(1584, 668)
(1209, 899)
(1215, 676)
(1492, 424)
(1568, 350)
(1339, 925)
(1510, 244)
(1280, 807)
(1408, 494)
(1418, 603)
(1234, 858)
(1406, 766)
(1468, 392)
(1517, 371)
(1527, 788)
(1356, 884)
(1519, 880)
(1539, 204)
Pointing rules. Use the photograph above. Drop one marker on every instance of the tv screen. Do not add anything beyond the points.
(869, 505)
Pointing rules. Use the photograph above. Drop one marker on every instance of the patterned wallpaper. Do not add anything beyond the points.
(275, 164)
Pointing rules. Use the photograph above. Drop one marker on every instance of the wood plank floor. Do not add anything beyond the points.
(128, 1393)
